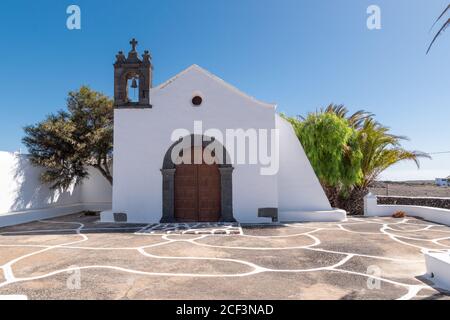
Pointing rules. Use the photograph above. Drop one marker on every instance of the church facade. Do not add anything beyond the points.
(196, 149)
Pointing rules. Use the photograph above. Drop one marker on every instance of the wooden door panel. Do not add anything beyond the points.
(197, 192)
(209, 205)
(186, 193)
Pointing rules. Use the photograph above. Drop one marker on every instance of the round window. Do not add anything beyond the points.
(197, 100)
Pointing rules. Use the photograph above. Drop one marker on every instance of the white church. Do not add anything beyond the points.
(246, 163)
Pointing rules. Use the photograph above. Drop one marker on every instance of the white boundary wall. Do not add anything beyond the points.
(438, 267)
(438, 215)
(23, 198)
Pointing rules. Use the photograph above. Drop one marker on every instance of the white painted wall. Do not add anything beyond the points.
(23, 198)
(438, 267)
(438, 215)
(96, 190)
(298, 186)
(21, 190)
(300, 195)
(142, 137)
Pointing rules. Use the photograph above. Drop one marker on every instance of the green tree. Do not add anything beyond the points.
(331, 145)
(68, 142)
(381, 150)
(348, 152)
(355, 120)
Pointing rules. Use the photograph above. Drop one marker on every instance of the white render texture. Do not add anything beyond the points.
(142, 137)
(23, 198)
(438, 268)
(298, 186)
(141, 140)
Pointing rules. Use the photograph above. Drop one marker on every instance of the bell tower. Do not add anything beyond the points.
(132, 74)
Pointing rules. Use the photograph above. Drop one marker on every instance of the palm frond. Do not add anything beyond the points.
(355, 120)
(440, 16)
(381, 149)
(444, 26)
(442, 29)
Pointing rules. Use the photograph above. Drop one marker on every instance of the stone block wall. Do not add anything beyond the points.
(415, 201)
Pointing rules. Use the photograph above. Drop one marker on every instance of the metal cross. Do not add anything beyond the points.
(133, 43)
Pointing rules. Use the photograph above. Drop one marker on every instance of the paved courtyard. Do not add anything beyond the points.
(76, 257)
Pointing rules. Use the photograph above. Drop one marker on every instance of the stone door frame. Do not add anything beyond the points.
(168, 185)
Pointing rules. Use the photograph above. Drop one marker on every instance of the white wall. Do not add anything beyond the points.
(142, 137)
(298, 186)
(438, 215)
(23, 198)
(300, 195)
(96, 190)
(438, 267)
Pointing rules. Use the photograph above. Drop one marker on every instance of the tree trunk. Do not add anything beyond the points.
(332, 195)
(354, 202)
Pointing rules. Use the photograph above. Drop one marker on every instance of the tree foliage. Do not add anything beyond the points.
(68, 142)
(349, 151)
(331, 146)
(381, 150)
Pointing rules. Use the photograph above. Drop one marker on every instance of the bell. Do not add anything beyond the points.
(134, 83)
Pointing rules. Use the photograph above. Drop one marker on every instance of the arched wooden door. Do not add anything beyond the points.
(197, 192)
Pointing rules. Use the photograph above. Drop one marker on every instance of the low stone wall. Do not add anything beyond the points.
(415, 201)
(372, 208)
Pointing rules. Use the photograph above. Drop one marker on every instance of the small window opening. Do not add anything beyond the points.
(197, 100)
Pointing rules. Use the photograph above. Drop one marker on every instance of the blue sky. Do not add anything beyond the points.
(301, 54)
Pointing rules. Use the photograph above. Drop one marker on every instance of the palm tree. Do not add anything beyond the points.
(381, 150)
(443, 27)
(355, 120)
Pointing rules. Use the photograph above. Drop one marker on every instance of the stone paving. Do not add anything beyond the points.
(76, 257)
(193, 228)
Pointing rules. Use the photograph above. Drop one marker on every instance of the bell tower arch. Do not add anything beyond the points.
(139, 72)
